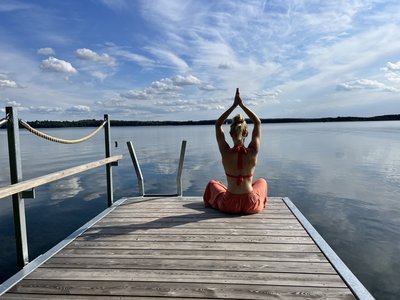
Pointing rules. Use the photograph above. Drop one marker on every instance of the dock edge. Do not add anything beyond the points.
(349, 278)
(41, 259)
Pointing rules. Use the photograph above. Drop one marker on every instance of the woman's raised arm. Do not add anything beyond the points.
(256, 135)
(219, 132)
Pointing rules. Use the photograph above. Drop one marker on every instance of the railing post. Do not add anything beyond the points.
(137, 167)
(14, 153)
(180, 167)
(107, 138)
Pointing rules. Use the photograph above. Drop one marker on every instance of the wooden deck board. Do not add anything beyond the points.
(165, 290)
(196, 254)
(176, 248)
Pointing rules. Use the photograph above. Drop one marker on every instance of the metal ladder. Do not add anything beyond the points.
(140, 176)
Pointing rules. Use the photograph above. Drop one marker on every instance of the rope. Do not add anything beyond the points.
(3, 121)
(58, 140)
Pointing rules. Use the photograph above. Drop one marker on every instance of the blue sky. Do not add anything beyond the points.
(182, 60)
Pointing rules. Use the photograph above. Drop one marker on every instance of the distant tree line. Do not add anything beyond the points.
(332, 119)
(96, 123)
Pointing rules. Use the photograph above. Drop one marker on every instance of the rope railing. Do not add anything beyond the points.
(25, 189)
(59, 140)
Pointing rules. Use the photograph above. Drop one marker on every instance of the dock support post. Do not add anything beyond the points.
(137, 168)
(14, 153)
(180, 167)
(107, 138)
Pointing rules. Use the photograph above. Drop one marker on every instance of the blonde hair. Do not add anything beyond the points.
(239, 127)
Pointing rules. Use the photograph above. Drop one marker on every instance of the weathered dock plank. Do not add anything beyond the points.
(210, 246)
(195, 254)
(190, 264)
(201, 237)
(143, 290)
(175, 248)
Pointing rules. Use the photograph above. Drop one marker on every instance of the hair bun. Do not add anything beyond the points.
(237, 119)
(239, 126)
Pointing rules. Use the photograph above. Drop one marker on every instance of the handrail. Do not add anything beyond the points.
(20, 189)
(180, 168)
(38, 181)
(137, 167)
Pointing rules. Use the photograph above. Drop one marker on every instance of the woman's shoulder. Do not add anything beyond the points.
(252, 149)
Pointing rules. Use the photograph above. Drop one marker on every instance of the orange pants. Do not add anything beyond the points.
(217, 196)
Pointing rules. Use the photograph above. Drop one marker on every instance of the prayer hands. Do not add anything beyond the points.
(238, 100)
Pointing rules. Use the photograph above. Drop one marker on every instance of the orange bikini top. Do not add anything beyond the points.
(240, 150)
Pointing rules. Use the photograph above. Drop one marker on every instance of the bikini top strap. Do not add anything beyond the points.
(240, 150)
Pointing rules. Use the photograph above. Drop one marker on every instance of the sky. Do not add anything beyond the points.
(183, 60)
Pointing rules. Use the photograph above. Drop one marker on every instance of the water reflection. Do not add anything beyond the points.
(346, 182)
(64, 189)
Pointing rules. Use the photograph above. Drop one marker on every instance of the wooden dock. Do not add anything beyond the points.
(148, 248)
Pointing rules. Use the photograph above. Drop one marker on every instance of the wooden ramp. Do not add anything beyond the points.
(149, 248)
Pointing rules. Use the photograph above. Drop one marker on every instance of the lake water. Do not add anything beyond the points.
(344, 177)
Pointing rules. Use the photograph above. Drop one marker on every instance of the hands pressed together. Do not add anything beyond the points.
(237, 101)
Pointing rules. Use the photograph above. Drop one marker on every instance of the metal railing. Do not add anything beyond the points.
(140, 176)
(20, 189)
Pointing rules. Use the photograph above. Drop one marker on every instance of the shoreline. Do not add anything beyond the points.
(117, 123)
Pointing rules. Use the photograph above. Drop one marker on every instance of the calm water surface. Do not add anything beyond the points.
(344, 177)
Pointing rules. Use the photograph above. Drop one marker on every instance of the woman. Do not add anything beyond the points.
(241, 196)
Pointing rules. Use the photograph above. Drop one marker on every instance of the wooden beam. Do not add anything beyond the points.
(38, 181)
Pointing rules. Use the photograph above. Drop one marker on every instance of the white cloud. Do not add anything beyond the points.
(136, 95)
(32, 109)
(163, 97)
(90, 55)
(392, 71)
(269, 93)
(127, 55)
(99, 75)
(46, 51)
(180, 80)
(169, 58)
(164, 85)
(366, 84)
(9, 102)
(393, 66)
(166, 88)
(78, 109)
(157, 90)
(140, 59)
(167, 12)
(266, 96)
(208, 88)
(19, 106)
(5, 82)
(53, 64)
(44, 109)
